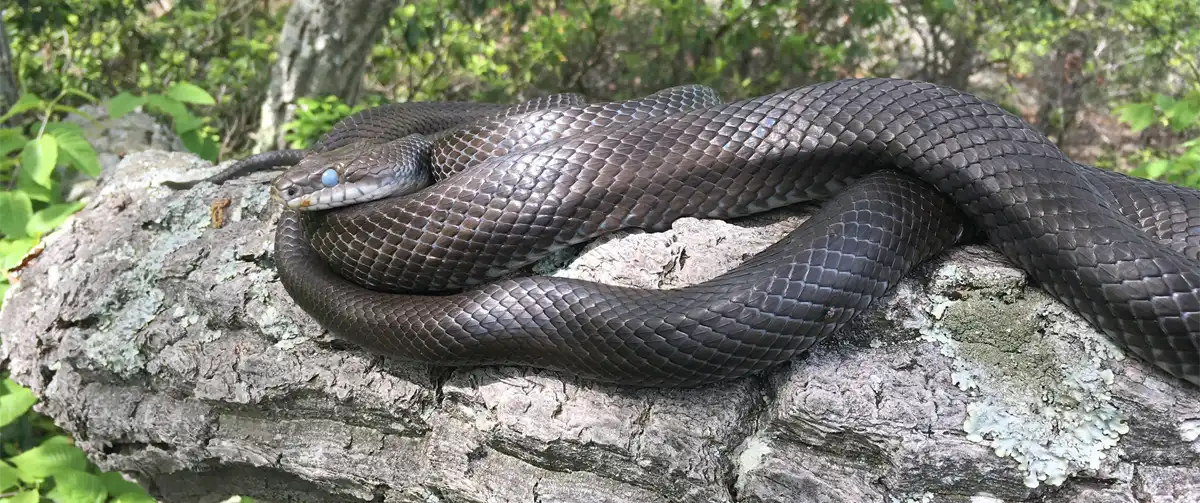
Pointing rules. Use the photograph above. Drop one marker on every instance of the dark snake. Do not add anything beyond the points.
(900, 162)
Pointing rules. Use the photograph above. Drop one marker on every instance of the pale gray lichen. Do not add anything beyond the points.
(110, 345)
(226, 271)
(1189, 430)
(919, 498)
(254, 199)
(753, 451)
(282, 328)
(1019, 352)
(1052, 448)
(132, 301)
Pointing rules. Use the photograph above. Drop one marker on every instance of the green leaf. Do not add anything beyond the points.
(78, 152)
(46, 219)
(124, 103)
(76, 486)
(81, 94)
(8, 385)
(201, 145)
(55, 455)
(8, 475)
(15, 403)
(25, 103)
(1155, 168)
(35, 190)
(1183, 113)
(13, 251)
(1163, 101)
(26, 496)
(118, 486)
(11, 140)
(190, 93)
(15, 211)
(39, 158)
(1139, 116)
(61, 128)
(167, 105)
(187, 123)
(134, 498)
(73, 110)
(3, 288)
(413, 35)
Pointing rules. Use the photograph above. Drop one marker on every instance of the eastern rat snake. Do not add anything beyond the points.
(902, 161)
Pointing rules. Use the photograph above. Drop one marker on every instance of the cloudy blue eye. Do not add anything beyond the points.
(329, 178)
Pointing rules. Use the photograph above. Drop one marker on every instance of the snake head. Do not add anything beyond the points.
(356, 174)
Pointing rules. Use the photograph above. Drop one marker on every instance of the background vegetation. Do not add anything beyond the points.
(1115, 83)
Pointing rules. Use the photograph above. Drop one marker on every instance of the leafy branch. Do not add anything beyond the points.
(192, 130)
(1178, 115)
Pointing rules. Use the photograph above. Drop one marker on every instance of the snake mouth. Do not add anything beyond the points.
(342, 195)
(302, 203)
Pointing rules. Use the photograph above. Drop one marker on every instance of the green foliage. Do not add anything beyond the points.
(1175, 108)
(314, 117)
(613, 49)
(31, 160)
(494, 51)
(1181, 166)
(66, 50)
(196, 133)
(1095, 53)
(35, 158)
(37, 461)
(15, 401)
(104, 47)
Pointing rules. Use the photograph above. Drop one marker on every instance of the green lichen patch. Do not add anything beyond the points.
(115, 345)
(1038, 373)
(1002, 336)
(133, 300)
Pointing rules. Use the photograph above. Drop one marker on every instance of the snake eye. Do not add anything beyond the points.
(290, 191)
(329, 178)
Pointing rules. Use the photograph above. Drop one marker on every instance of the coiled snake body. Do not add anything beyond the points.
(903, 161)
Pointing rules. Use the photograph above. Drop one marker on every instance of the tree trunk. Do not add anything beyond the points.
(1065, 83)
(322, 51)
(9, 92)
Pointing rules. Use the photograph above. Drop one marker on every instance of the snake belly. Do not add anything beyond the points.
(902, 161)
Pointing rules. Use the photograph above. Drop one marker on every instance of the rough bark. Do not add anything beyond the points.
(323, 50)
(9, 92)
(164, 343)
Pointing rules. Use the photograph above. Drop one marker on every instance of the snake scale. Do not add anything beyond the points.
(903, 165)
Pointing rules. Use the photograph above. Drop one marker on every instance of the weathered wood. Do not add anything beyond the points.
(166, 346)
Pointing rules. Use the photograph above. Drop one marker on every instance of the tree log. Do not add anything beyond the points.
(154, 330)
